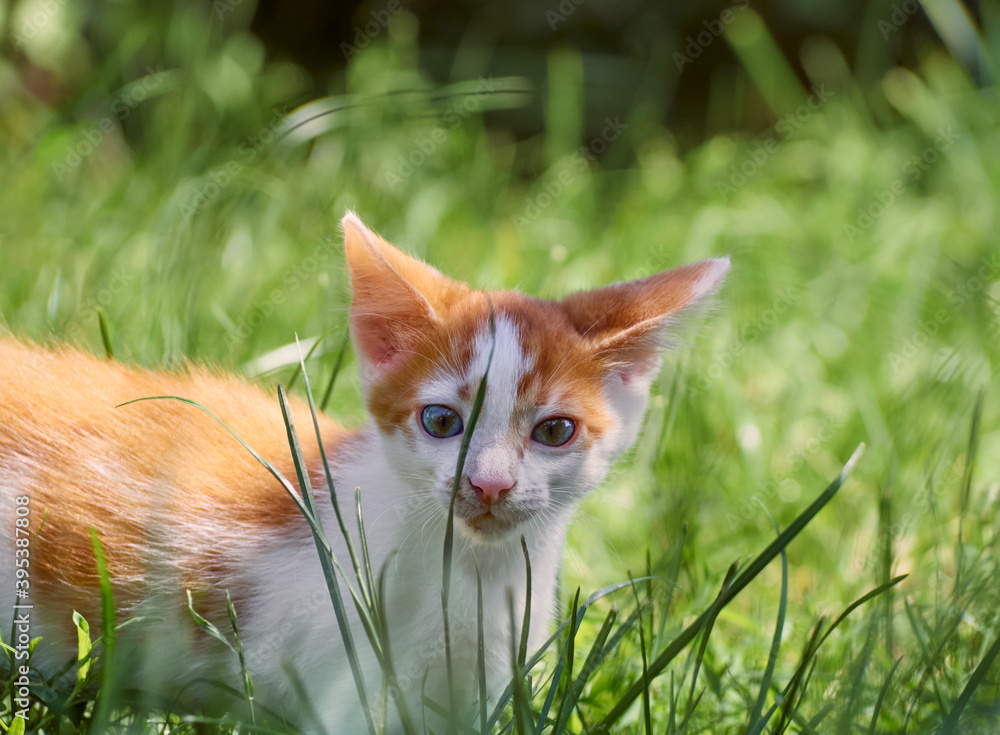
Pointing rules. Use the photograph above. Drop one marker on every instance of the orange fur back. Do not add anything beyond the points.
(156, 472)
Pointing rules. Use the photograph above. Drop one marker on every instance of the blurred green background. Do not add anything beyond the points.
(181, 168)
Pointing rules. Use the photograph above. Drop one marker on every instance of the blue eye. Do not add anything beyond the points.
(554, 432)
(441, 421)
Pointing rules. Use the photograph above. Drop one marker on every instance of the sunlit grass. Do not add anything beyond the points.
(862, 306)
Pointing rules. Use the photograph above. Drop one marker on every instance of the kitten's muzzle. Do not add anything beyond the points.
(488, 508)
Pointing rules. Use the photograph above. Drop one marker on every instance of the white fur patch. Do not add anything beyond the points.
(510, 364)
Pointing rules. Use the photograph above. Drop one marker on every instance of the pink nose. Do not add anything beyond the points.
(490, 491)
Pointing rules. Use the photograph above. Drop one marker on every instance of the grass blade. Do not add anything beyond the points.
(207, 625)
(109, 682)
(300, 368)
(248, 688)
(885, 536)
(714, 610)
(388, 668)
(978, 675)
(345, 534)
(594, 658)
(646, 716)
(570, 654)
(481, 654)
(84, 654)
(672, 718)
(301, 471)
(816, 640)
(522, 708)
(336, 371)
(870, 595)
(477, 407)
(772, 656)
(858, 692)
(672, 575)
(752, 570)
(795, 684)
(522, 651)
(449, 534)
(367, 579)
(105, 335)
(557, 675)
(699, 655)
(881, 696)
(326, 559)
(970, 465)
(305, 703)
(576, 614)
(762, 722)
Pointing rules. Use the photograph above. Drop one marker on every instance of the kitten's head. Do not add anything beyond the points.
(566, 391)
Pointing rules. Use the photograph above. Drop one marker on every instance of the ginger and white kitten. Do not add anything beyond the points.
(179, 505)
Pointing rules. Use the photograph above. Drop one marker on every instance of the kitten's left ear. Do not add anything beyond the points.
(397, 299)
(627, 323)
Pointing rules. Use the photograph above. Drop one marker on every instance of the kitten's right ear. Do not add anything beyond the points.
(397, 299)
(626, 323)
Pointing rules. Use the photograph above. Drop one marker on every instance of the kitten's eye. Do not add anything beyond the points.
(441, 421)
(554, 432)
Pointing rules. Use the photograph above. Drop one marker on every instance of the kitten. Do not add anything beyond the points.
(180, 505)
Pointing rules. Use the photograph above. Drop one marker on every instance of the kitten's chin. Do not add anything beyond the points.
(488, 528)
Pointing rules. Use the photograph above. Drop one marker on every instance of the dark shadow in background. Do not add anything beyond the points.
(628, 48)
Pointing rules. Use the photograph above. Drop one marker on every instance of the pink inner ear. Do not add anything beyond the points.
(640, 361)
(380, 344)
(626, 321)
(397, 299)
(629, 376)
(379, 351)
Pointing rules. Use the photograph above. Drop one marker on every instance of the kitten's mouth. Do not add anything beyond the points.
(487, 521)
(490, 525)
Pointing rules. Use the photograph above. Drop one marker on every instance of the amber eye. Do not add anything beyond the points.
(441, 421)
(554, 432)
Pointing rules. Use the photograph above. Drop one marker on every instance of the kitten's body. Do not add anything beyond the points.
(179, 504)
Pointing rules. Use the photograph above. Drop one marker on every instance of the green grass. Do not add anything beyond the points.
(863, 306)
